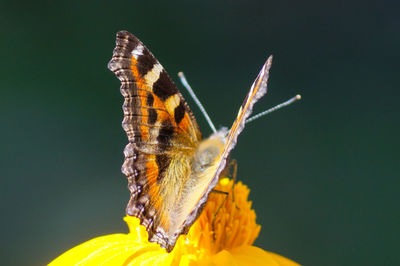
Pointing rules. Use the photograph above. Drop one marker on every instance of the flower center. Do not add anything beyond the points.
(226, 222)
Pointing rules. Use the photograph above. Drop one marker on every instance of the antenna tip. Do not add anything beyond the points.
(298, 97)
(180, 73)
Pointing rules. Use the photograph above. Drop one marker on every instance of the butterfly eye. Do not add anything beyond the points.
(205, 166)
(205, 158)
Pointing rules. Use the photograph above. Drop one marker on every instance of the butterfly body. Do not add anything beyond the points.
(170, 169)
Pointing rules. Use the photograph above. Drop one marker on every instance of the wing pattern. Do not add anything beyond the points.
(159, 126)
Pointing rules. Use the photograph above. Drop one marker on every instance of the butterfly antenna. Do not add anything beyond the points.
(279, 106)
(191, 92)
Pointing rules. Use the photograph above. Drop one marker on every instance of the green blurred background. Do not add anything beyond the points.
(323, 172)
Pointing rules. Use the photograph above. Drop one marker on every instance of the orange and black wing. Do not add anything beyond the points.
(159, 125)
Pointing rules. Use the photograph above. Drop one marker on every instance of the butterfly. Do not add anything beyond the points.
(170, 169)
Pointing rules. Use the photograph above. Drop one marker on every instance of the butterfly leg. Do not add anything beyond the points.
(219, 208)
(233, 167)
(232, 172)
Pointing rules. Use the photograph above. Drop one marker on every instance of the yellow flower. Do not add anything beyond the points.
(222, 235)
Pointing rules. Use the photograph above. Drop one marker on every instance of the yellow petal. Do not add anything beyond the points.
(117, 249)
(245, 255)
(251, 255)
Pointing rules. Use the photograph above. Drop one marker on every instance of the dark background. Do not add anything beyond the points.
(323, 172)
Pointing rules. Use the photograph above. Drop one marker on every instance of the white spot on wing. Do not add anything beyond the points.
(138, 51)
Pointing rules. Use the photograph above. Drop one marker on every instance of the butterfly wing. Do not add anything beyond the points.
(162, 133)
(258, 90)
